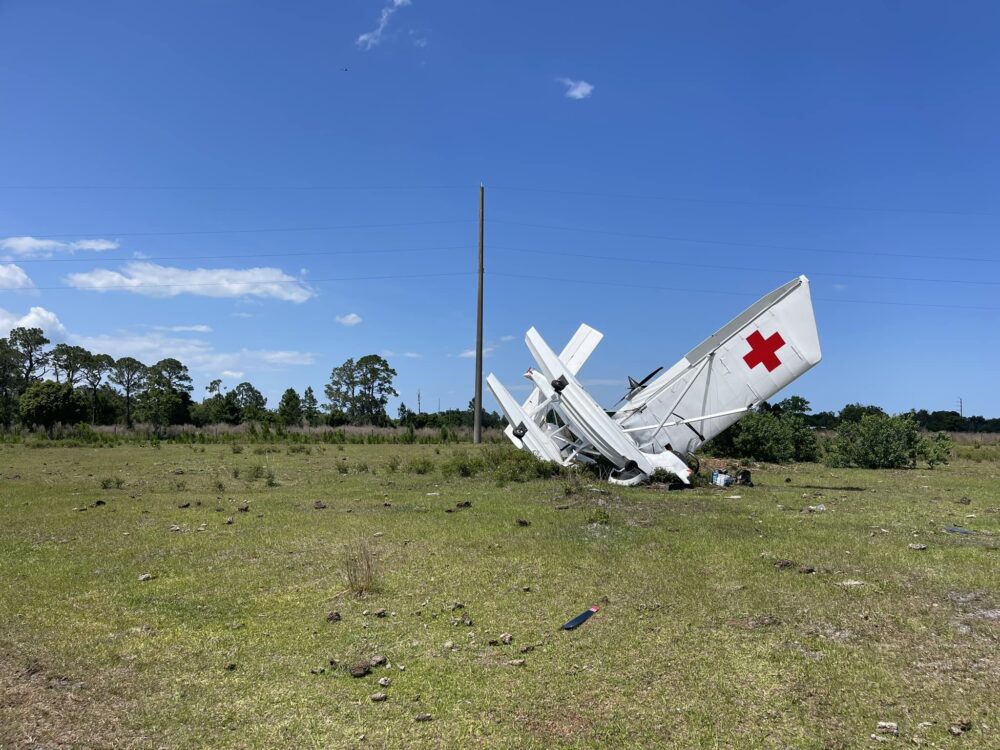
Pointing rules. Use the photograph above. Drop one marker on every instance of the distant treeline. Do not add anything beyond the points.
(932, 421)
(41, 387)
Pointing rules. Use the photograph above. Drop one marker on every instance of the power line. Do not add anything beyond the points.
(236, 188)
(278, 254)
(727, 267)
(737, 243)
(741, 202)
(689, 290)
(129, 287)
(247, 231)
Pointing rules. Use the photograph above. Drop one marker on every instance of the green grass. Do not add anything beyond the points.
(701, 640)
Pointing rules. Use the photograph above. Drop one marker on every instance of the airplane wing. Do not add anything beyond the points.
(747, 361)
(574, 354)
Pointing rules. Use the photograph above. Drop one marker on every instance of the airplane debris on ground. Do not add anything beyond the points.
(581, 618)
(661, 421)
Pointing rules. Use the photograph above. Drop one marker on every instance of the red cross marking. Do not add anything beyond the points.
(762, 351)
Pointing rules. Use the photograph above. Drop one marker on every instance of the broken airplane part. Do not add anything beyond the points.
(659, 422)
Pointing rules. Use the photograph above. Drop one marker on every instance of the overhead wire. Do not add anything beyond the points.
(730, 293)
(738, 243)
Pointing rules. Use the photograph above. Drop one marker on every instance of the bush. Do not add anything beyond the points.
(767, 436)
(461, 464)
(877, 441)
(421, 465)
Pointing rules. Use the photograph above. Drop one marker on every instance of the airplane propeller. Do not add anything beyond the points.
(634, 386)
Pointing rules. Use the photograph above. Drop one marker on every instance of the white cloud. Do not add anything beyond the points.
(232, 374)
(350, 320)
(154, 280)
(408, 355)
(197, 328)
(487, 350)
(243, 315)
(507, 338)
(372, 38)
(33, 247)
(576, 89)
(14, 277)
(36, 317)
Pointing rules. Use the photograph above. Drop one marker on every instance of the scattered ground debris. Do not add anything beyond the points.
(244, 508)
(916, 546)
(782, 564)
(378, 697)
(964, 500)
(422, 717)
(581, 618)
(523, 522)
(744, 478)
(381, 613)
(229, 521)
(516, 662)
(146, 577)
(184, 505)
(851, 583)
(384, 681)
(317, 670)
(815, 508)
(98, 503)
(887, 727)
(379, 660)
(319, 505)
(464, 504)
(360, 669)
(959, 530)
(230, 666)
(960, 727)
(806, 569)
(333, 616)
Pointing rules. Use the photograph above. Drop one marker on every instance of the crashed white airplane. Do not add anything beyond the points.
(662, 421)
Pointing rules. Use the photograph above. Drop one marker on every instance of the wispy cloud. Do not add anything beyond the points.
(34, 247)
(350, 320)
(507, 338)
(197, 328)
(13, 277)
(235, 374)
(374, 37)
(154, 280)
(36, 317)
(409, 355)
(576, 89)
(487, 350)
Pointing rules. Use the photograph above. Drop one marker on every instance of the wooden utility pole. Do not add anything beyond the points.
(477, 429)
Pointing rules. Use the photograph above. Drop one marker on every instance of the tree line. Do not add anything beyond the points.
(42, 386)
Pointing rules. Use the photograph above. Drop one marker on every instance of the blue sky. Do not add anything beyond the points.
(703, 152)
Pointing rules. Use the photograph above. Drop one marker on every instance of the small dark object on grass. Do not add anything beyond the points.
(788, 480)
(806, 569)
(377, 697)
(963, 500)
(99, 502)
(449, 510)
(782, 564)
(744, 478)
(422, 717)
(333, 617)
(386, 505)
(360, 669)
(523, 522)
(959, 530)
(562, 507)
(581, 618)
(464, 504)
(244, 508)
(231, 666)
(378, 660)
(319, 505)
(381, 613)
(184, 505)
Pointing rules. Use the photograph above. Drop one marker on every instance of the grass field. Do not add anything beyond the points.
(705, 638)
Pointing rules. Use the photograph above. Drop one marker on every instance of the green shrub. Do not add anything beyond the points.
(766, 436)
(421, 465)
(461, 464)
(877, 441)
